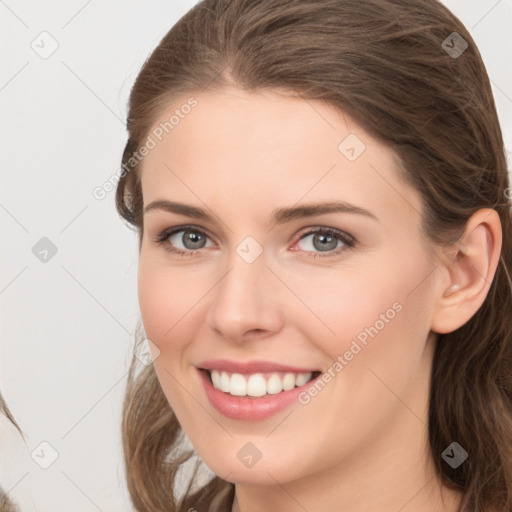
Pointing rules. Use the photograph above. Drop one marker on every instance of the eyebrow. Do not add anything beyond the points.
(279, 215)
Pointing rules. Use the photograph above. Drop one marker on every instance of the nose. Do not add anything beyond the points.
(245, 302)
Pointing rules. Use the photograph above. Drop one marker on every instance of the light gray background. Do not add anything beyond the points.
(67, 324)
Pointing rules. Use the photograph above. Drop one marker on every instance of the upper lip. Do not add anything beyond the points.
(249, 366)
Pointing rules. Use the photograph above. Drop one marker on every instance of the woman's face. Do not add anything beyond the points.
(267, 303)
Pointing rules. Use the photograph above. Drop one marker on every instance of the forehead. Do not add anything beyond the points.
(255, 149)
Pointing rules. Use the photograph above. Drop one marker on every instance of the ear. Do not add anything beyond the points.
(468, 269)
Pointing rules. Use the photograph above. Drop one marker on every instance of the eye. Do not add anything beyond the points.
(193, 239)
(325, 240)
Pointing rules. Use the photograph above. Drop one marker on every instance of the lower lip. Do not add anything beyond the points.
(248, 408)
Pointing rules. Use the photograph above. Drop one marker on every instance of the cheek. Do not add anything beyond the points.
(172, 303)
(385, 305)
(152, 301)
(165, 305)
(381, 321)
(164, 302)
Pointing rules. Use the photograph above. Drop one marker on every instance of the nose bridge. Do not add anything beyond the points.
(242, 302)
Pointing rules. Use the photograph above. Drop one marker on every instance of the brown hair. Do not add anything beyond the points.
(383, 62)
(6, 505)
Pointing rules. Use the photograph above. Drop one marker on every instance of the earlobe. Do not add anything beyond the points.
(470, 272)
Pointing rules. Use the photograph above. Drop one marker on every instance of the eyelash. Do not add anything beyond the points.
(348, 240)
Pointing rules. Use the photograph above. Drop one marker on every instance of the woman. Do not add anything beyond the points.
(355, 355)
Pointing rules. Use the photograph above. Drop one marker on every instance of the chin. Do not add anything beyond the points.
(261, 472)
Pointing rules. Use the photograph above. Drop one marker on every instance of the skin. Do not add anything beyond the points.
(361, 443)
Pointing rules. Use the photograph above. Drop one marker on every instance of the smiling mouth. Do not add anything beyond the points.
(256, 385)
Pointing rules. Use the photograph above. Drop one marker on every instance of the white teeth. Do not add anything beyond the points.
(274, 384)
(289, 381)
(302, 378)
(237, 385)
(257, 385)
(224, 382)
(216, 379)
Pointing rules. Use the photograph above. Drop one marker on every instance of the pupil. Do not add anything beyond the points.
(194, 238)
(324, 246)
